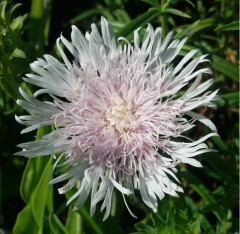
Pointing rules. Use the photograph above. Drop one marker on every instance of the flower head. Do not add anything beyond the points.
(118, 116)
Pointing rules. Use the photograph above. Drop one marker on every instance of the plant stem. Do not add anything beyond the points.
(163, 19)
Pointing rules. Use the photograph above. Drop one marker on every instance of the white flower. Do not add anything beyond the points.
(119, 118)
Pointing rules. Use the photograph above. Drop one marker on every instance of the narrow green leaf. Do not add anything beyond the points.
(151, 2)
(49, 201)
(196, 27)
(86, 14)
(195, 227)
(17, 23)
(33, 172)
(25, 223)
(56, 225)
(203, 192)
(158, 223)
(221, 166)
(229, 196)
(176, 12)
(198, 186)
(40, 195)
(19, 53)
(15, 7)
(220, 143)
(138, 22)
(231, 99)
(234, 26)
(145, 228)
(31, 177)
(123, 16)
(210, 208)
(225, 67)
(205, 224)
(3, 6)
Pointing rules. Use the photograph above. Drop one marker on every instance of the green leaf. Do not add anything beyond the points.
(17, 23)
(176, 12)
(40, 195)
(25, 222)
(49, 201)
(198, 186)
(138, 22)
(56, 225)
(158, 223)
(221, 166)
(19, 53)
(234, 26)
(15, 7)
(33, 172)
(220, 143)
(122, 16)
(31, 177)
(210, 208)
(3, 6)
(86, 14)
(225, 67)
(195, 227)
(229, 196)
(231, 99)
(196, 27)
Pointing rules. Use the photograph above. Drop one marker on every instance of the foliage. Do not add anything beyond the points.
(209, 204)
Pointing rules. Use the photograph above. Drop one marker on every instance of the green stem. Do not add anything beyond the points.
(163, 19)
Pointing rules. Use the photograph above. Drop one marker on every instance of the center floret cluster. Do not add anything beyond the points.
(120, 117)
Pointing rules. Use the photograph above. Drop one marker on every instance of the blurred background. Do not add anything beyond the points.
(29, 29)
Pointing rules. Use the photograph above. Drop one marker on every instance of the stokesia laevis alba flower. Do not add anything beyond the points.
(119, 118)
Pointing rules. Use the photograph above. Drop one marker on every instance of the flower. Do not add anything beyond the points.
(119, 118)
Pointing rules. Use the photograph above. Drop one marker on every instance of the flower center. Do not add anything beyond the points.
(120, 117)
